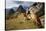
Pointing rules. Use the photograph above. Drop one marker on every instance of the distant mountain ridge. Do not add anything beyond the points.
(15, 11)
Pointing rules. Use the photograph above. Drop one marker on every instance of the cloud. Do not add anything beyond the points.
(13, 3)
(18, 2)
(10, 4)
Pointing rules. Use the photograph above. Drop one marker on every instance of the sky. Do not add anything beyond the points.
(13, 3)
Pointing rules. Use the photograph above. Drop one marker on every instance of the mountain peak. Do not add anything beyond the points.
(21, 9)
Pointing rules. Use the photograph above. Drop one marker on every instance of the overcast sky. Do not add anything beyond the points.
(13, 3)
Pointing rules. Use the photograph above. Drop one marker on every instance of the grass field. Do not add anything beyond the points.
(20, 23)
